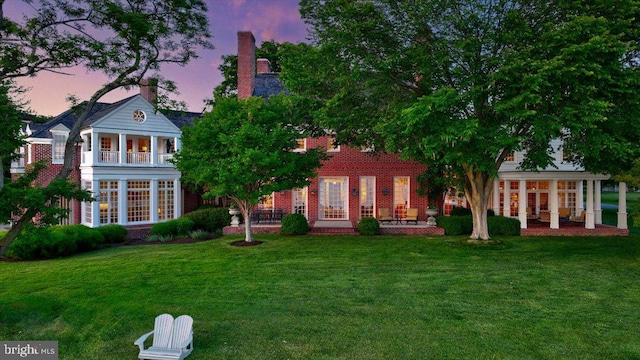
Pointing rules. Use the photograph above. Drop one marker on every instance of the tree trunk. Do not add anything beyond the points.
(246, 208)
(478, 188)
(15, 230)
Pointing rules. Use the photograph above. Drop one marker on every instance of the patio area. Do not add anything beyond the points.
(569, 228)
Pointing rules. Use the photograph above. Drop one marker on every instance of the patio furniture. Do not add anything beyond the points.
(384, 215)
(545, 216)
(564, 213)
(412, 215)
(531, 215)
(172, 339)
(579, 219)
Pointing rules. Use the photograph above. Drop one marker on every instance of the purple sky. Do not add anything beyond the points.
(267, 19)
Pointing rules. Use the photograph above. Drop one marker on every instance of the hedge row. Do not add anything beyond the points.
(462, 225)
(63, 240)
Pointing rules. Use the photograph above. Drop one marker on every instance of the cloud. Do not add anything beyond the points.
(274, 20)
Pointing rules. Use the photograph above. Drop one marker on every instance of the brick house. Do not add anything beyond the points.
(350, 185)
(125, 148)
(353, 184)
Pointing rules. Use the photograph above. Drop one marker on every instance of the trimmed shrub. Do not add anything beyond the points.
(500, 225)
(175, 227)
(184, 227)
(164, 228)
(209, 219)
(85, 238)
(460, 211)
(455, 225)
(113, 233)
(294, 224)
(55, 241)
(368, 226)
(490, 212)
(30, 243)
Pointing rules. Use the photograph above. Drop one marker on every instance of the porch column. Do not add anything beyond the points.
(598, 203)
(95, 148)
(154, 149)
(153, 200)
(522, 203)
(506, 211)
(496, 196)
(122, 148)
(122, 201)
(553, 205)
(579, 198)
(622, 205)
(589, 216)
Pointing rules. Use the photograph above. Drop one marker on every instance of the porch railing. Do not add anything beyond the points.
(139, 158)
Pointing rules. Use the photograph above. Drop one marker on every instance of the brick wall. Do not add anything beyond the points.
(354, 163)
(44, 152)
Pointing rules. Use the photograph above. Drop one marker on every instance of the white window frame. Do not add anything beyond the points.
(58, 143)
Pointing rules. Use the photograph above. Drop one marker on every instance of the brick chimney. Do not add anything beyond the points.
(264, 66)
(246, 64)
(149, 89)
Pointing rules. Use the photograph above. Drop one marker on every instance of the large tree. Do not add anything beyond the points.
(124, 40)
(461, 84)
(243, 149)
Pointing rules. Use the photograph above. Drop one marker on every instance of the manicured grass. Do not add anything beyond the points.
(339, 298)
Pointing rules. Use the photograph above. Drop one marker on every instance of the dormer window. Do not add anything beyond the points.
(510, 157)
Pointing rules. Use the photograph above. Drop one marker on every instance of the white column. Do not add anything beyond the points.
(496, 196)
(122, 202)
(553, 205)
(522, 203)
(598, 202)
(122, 148)
(622, 205)
(154, 149)
(589, 216)
(177, 204)
(507, 199)
(153, 200)
(95, 148)
(95, 205)
(579, 198)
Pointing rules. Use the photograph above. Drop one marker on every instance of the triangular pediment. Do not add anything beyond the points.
(136, 115)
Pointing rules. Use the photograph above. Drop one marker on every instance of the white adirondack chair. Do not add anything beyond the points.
(172, 339)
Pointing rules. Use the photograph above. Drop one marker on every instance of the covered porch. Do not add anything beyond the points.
(555, 200)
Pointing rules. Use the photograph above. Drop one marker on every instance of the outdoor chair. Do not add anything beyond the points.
(579, 219)
(564, 213)
(384, 215)
(172, 339)
(412, 215)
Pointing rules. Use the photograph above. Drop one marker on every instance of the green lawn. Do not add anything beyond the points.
(333, 297)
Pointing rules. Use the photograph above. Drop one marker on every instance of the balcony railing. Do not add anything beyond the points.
(112, 158)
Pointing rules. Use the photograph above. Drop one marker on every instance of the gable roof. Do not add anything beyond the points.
(100, 110)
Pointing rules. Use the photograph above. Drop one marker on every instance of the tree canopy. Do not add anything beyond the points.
(461, 84)
(243, 149)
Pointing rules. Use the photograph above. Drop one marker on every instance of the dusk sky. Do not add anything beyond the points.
(267, 19)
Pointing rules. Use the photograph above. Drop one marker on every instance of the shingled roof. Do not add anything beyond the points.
(267, 85)
(69, 117)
